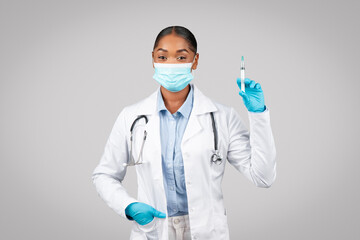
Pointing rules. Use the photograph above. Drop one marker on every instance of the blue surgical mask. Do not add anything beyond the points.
(173, 77)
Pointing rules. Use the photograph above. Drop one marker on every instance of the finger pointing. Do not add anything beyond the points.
(159, 214)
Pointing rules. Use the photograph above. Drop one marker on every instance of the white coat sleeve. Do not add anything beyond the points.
(253, 154)
(110, 172)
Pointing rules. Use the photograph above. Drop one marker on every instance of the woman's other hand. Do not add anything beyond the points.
(142, 213)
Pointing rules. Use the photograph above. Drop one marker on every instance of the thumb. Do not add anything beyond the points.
(244, 96)
(159, 214)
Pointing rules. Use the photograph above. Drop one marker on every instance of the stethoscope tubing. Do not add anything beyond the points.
(214, 158)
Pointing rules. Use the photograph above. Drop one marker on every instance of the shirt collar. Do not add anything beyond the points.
(185, 109)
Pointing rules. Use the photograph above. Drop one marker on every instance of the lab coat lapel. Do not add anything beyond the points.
(201, 105)
(153, 151)
(192, 128)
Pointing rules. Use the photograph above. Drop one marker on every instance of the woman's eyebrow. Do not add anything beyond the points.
(180, 50)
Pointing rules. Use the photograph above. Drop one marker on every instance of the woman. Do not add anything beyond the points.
(179, 179)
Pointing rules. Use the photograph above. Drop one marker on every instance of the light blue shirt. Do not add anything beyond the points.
(172, 127)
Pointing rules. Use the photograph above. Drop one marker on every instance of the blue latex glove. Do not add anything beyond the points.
(142, 213)
(253, 97)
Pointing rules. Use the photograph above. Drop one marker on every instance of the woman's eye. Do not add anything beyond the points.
(161, 57)
(182, 57)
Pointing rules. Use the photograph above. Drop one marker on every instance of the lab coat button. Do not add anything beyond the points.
(176, 221)
(195, 237)
(192, 210)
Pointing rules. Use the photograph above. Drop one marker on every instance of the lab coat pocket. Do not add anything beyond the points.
(149, 226)
(221, 225)
(150, 229)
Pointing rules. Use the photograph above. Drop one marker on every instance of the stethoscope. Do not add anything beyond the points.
(215, 157)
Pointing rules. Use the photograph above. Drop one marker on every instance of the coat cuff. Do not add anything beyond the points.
(265, 113)
(123, 205)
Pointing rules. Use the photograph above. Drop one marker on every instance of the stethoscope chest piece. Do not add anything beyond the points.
(216, 158)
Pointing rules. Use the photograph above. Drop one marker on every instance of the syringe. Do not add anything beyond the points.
(242, 73)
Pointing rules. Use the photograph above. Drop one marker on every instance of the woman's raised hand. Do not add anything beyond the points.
(253, 96)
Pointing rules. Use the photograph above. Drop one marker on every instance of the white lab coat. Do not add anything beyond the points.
(252, 154)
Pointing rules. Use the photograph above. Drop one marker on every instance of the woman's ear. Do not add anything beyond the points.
(195, 61)
(152, 57)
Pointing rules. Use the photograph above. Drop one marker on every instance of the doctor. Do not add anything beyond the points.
(182, 145)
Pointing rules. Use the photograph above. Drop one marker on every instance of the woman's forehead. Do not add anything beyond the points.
(172, 43)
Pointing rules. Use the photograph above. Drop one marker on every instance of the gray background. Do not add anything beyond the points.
(69, 67)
